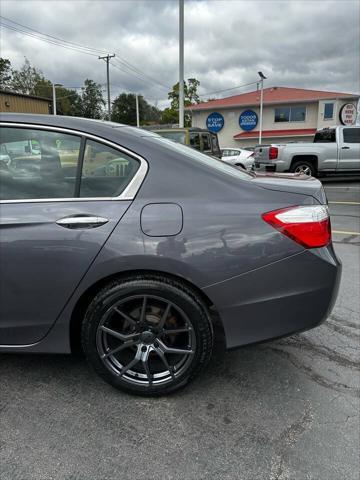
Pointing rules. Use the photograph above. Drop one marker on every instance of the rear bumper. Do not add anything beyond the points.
(264, 167)
(274, 166)
(294, 294)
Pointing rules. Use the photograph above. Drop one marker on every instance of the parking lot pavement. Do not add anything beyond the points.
(285, 410)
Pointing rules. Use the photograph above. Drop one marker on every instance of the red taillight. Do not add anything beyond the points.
(307, 225)
(273, 153)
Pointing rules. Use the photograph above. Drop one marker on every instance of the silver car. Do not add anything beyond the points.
(126, 245)
(239, 157)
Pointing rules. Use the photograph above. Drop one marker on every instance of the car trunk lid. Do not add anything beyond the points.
(291, 183)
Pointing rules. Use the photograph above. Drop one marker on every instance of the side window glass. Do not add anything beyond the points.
(351, 135)
(195, 140)
(215, 143)
(106, 172)
(37, 164)
(206, 142)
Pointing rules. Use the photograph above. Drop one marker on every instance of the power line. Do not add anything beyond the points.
(139, 77)
(52, 42)
(52, 36)
(31, 32)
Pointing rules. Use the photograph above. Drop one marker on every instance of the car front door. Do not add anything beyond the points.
(57, 209)
(349, 154)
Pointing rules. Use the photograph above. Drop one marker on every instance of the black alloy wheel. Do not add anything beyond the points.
(147, 335)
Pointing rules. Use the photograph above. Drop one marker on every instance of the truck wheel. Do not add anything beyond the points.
(303, 167)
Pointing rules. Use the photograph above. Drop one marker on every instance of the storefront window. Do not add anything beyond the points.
(290, 114)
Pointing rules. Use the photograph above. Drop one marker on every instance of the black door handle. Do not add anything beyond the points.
(345, 148)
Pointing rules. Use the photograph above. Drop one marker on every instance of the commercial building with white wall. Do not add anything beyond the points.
(289, 115)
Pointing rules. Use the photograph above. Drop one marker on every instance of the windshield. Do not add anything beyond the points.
(197, 156)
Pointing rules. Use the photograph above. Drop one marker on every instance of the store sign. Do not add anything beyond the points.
(215, 122)
(348, 114)
(248, 120)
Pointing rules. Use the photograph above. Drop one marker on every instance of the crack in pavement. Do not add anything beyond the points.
(320, 380)
(344, 322)
(288, 438)
(304, 343)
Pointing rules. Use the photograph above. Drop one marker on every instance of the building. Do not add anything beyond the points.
(289, 115)
(21, 103)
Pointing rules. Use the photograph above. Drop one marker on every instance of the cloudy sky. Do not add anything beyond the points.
(309, 43)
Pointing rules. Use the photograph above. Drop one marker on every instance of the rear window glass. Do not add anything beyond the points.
(325, 136)
(196, 156)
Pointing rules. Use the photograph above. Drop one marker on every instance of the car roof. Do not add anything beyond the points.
(61, 121)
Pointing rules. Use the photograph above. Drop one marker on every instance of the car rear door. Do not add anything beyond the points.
(57, 209)
(349, 151)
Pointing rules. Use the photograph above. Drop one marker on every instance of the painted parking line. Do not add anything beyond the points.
(344, 203)
(341, 232)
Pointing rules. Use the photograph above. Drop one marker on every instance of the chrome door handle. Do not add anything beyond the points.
(82, 221)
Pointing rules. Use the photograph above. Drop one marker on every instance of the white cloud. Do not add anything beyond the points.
(310, 44)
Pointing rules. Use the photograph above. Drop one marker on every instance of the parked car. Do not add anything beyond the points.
(238, 156)
(197, 138)
(126, 244)
(335, 150)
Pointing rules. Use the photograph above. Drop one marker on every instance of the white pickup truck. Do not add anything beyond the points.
(334, 150)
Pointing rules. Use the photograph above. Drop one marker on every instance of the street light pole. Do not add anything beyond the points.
(54, 85)
(262, 78)
(107, 59)
(137, 110)
(181, 63)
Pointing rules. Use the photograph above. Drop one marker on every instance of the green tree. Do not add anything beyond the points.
(5, 72)
(191, 97)
(170, 115)
(68, 102)
(124, 110)
(26, 79)
(92, 100)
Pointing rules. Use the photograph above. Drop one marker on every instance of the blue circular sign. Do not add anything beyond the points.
(215, 122)
(248, 120)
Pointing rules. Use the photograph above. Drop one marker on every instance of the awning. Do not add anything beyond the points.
(295, 132)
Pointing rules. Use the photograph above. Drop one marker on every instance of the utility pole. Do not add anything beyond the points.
(137, 110)
(181, 63)
(262, 78)
(107, 59)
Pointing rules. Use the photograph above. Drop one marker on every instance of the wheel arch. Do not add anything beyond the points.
(313, 159)
(86, 297)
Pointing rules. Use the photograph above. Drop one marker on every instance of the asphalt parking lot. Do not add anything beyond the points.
(284, 410)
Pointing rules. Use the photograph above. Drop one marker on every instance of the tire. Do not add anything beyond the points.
(153, 362)
(305, 167)
(240, 165)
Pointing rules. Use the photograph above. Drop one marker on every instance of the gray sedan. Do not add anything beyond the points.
(125, 244)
